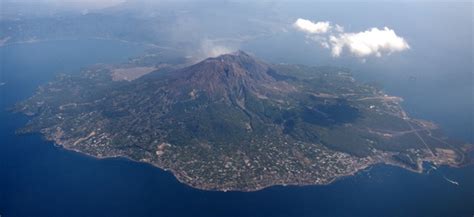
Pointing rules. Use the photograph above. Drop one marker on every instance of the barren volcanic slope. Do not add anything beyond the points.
(236, 123)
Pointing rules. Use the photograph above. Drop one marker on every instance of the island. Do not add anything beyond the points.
(234, 122)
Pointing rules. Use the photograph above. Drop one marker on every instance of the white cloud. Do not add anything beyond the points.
(372, 42)
(310, 27)
(339, 28)
(217, 50)
(212, 48)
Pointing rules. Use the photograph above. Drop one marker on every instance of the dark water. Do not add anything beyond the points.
(39, 179)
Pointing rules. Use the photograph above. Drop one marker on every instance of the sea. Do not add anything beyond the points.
(38, 178)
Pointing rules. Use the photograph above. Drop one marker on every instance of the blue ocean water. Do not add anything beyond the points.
(40, 179)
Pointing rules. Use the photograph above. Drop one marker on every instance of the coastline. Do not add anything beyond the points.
(32, 41)
(181, 178)
(181, 175)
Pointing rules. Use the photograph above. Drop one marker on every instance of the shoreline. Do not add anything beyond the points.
(381, 158)
(179, 178)
(33, 41)
(255, 185)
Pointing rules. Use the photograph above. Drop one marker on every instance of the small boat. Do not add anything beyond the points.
(451, 181)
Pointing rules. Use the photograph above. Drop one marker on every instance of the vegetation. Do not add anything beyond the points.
(234, 122)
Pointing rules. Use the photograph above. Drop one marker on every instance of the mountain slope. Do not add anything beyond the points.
(236, 123)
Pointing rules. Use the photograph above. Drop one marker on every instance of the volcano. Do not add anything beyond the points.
(234, 122)
(229, 77)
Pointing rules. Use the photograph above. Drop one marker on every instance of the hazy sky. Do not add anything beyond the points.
(80, 4)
